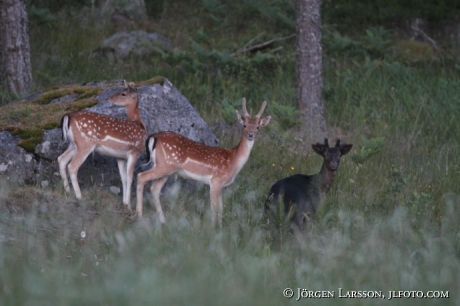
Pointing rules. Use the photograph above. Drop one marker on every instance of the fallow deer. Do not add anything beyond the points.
(303, 194)
(119, 138)
(216, 167)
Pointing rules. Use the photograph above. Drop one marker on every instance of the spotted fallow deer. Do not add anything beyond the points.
(217, 167)
(120, 138)
(304, 193)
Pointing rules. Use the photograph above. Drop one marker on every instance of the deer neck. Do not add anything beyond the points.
(132, 111)
(241, 152)
(325, 178)
(245, 146)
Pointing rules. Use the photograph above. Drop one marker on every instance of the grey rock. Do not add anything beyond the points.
(64, 99)
(115, 190)
(16, 165)
(162, 108)
(139, 43)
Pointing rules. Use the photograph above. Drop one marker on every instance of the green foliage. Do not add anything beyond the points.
(30, 138)
(50, 125)
(49, 96)
(218, 62)
(6, 96)
(336, 42)
(396, 207)
(391, 97)
(21, 113)
(397, 181)
(421, 208)
(42, 7)
(89, 93)
(377, 12)
(280, 221)
(286, 115)
(213, 6)
(375, 43)
(154, 7)
(279, 12)
(228, 109)
(84, 103)
(79, 91)
(369, 147)
(40, 16)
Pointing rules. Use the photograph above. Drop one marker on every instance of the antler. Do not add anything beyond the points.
(261, 110)
(126, 84)
(245, 111)
(337, 144)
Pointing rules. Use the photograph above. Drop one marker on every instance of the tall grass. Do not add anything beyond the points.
(388, 223)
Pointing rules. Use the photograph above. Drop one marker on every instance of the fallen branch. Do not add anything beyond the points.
(247, 48)
(428, 38)
(251, 41)
(274, 50)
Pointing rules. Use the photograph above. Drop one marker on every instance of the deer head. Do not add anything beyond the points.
(126, 97)
(252, 126)
(332, 155)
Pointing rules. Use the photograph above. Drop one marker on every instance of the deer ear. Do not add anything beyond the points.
(264, 121)
(345, 148)
(318, 148)
(240, 118)
(132, 89)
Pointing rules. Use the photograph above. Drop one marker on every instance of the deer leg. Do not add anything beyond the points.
(122, 169)
(217, 205)
(145, 177)
(63, 160)
(155, 189)
(129, 180)
(73, 167)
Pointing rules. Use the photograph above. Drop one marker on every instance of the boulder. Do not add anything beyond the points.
(139, 43)
(162, 108)
(16, 164)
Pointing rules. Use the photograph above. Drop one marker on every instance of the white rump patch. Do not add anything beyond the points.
(150, 146)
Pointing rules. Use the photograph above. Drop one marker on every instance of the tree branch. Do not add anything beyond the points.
(428, 38)
(248, 48)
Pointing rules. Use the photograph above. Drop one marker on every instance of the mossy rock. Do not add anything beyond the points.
(155, 80)
(90, 93)
(412, 51)
(28, 119)
(30, 137)
(47, 97)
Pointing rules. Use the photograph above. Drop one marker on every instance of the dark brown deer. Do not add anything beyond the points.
(302, 194)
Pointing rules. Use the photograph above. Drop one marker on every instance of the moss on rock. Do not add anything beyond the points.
(47, 97)
(155, 80)
(28, 119)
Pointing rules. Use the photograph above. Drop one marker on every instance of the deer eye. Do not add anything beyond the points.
(244, 125)
(258, 127)
(123, 94)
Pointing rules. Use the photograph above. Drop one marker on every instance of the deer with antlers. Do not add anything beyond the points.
(216, 167)
(120, 138)
(302, 194)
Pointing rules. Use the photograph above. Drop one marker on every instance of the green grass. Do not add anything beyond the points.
(389, 221)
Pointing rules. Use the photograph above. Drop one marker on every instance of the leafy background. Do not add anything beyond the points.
(390, 221)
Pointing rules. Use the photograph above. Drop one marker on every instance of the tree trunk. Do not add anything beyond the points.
(309, 68)
(15, 68)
